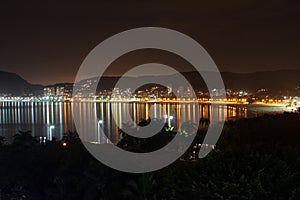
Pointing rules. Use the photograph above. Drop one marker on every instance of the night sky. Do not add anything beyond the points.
(46, 42)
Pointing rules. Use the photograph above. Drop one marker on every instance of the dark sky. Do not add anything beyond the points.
(46, 42)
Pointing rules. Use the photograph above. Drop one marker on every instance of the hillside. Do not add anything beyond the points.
(11, 83)
(275, 81)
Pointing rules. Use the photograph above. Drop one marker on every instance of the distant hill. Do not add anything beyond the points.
(281, 80)
(272, 80)
(11, 83)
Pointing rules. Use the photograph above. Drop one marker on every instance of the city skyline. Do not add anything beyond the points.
(122, 100)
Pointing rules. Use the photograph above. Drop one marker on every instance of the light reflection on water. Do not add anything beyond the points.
(39, 116)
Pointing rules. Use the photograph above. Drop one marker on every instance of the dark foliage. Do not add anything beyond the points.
(255, 158)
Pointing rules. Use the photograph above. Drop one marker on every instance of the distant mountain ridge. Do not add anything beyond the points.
(272, 80)
(13, 84)
(281, 80)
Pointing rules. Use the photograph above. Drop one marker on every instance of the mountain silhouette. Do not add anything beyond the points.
(276, 81)
(13, 84)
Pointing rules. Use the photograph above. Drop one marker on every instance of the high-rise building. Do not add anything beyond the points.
(60, 91)
(49, 91)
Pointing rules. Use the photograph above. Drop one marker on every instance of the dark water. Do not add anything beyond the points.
(44, 117)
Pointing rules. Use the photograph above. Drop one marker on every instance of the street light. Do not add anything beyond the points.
(100, 122)
(169, 120)
(64, 144)
(50, 132)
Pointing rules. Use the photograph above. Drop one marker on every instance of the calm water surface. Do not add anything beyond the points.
(39, 117)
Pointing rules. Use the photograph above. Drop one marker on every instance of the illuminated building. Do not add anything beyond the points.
(49, 91)
(60, 91)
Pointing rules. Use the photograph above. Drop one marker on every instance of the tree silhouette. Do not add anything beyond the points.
(204, 123)
(25, 138)
(144, 187)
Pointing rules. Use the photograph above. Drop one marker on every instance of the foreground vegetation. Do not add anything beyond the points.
(255, 158)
